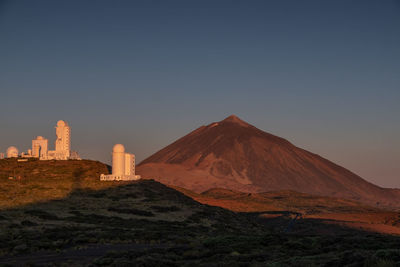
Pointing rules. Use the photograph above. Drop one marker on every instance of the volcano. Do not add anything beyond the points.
(235, 155)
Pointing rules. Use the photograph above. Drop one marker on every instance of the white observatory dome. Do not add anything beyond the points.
(12, 152)
(61, 123)
(119, 148)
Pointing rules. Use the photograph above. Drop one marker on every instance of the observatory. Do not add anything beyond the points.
(63, 142)
(123, 166)
(62, 145)
(40, 146)
(12, 152)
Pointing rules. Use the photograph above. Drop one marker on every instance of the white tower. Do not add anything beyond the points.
(40, 147)
(118, 160)
(63, 142)
(123, 166)
(12, 152)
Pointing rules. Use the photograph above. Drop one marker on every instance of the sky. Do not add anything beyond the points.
(323, 74)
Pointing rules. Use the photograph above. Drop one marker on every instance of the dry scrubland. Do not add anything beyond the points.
(60, 213)
(38, 181)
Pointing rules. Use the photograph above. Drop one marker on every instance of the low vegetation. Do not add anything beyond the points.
(145, 223)
(35, 181)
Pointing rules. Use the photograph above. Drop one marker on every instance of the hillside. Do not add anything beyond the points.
(235, 155)
(145, 223)
(330, 210)
(276, 201)
(37, 180)
(142, 215)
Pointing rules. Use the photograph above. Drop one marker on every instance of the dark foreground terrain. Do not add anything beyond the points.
(145, 223)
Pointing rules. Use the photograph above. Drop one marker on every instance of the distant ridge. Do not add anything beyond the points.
(235, 155)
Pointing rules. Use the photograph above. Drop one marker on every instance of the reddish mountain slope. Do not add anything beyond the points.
(235, 155)
(277, 204)
(285, 200)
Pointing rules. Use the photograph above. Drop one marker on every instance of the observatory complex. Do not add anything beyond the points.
(40, 146)
(123, 166)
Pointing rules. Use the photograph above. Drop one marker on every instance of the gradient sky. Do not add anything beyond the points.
(323, 74)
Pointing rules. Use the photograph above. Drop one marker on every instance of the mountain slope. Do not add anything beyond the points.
(235, 155)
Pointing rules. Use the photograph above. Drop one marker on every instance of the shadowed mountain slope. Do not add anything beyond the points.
(235, 155)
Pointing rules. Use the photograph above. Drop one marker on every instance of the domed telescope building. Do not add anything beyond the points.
(123, 166)
(12, 152)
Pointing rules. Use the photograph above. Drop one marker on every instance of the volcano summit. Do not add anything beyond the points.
(235, 155)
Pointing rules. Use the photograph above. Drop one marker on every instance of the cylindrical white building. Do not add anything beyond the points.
(63, 142)
(118, 160)
(123, 166)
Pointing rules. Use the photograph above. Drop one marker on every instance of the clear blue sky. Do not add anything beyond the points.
(323, 74)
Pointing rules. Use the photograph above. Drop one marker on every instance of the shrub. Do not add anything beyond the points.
(42, 214)
(165, 209)
(28, 223)
(131, 211)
